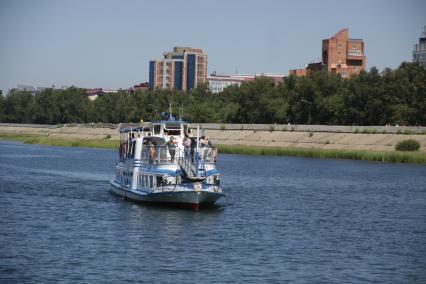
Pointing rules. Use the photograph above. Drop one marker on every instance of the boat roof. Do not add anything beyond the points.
(140, 128)
(131, 129)
(170, 122)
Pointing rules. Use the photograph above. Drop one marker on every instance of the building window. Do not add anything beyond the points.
(339, 45)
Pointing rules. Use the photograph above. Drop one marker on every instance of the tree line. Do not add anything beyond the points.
(371, 98)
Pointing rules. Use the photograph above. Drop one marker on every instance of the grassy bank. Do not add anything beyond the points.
(51, 141)
(392, 157)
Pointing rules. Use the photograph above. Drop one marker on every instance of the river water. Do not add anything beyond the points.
(283, 220)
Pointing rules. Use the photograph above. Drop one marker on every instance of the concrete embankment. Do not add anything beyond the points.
(374, 138)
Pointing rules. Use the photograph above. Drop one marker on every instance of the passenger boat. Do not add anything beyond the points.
(148, 169)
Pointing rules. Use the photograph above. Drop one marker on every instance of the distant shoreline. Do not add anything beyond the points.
(364, 155)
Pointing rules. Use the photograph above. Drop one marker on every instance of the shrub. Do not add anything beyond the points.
(222, 127)
(369, 131)
(356, 130)
(272, 128)
(407, 145)
(311, 134)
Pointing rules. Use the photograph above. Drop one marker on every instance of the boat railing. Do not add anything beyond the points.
(163, 155)
(208, 154)
(126, 150)
(192, 165)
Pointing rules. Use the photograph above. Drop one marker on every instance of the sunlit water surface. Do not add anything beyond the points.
(283, 219)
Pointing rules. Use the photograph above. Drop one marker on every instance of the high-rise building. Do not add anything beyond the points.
(340, 55)
(343, 55)
(419, 52)
(181, 69)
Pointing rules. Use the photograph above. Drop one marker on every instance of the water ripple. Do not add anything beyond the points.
(283, 220)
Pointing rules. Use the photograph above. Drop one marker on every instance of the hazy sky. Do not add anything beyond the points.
(109, 43)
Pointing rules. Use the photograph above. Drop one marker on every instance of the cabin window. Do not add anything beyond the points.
(141, 181)
(158, 180)
(138, 181)
(151, 181)
(172, 129)
(173, 132)
(132, 149)
(157, 129)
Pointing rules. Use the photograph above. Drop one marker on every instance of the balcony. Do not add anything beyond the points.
(420, 47)
(357, 53)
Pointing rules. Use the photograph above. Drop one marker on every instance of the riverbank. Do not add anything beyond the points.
(376, 156)
(64, 142)
(325, 137)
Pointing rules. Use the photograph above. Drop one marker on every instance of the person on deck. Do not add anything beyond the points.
(171, 145)
(151, 153)
(203, 145)
(187, 147)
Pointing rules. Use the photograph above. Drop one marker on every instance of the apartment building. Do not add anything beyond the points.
(340, 55)
(419, 51)
(181, 69)
(343, 55)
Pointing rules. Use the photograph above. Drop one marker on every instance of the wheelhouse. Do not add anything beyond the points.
(170, 128)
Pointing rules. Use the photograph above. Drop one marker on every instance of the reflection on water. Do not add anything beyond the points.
(283, 219)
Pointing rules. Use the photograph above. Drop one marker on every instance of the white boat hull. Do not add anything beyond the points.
(181, 198)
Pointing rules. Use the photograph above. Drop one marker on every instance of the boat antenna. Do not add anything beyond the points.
(170, 109)
(181, 112)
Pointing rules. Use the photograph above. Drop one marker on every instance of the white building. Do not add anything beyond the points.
(93, 94)
(217, 83)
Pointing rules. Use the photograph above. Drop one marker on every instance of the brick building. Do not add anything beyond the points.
(181, 69)
(340, 55)
(343, 55)
(138, 87)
